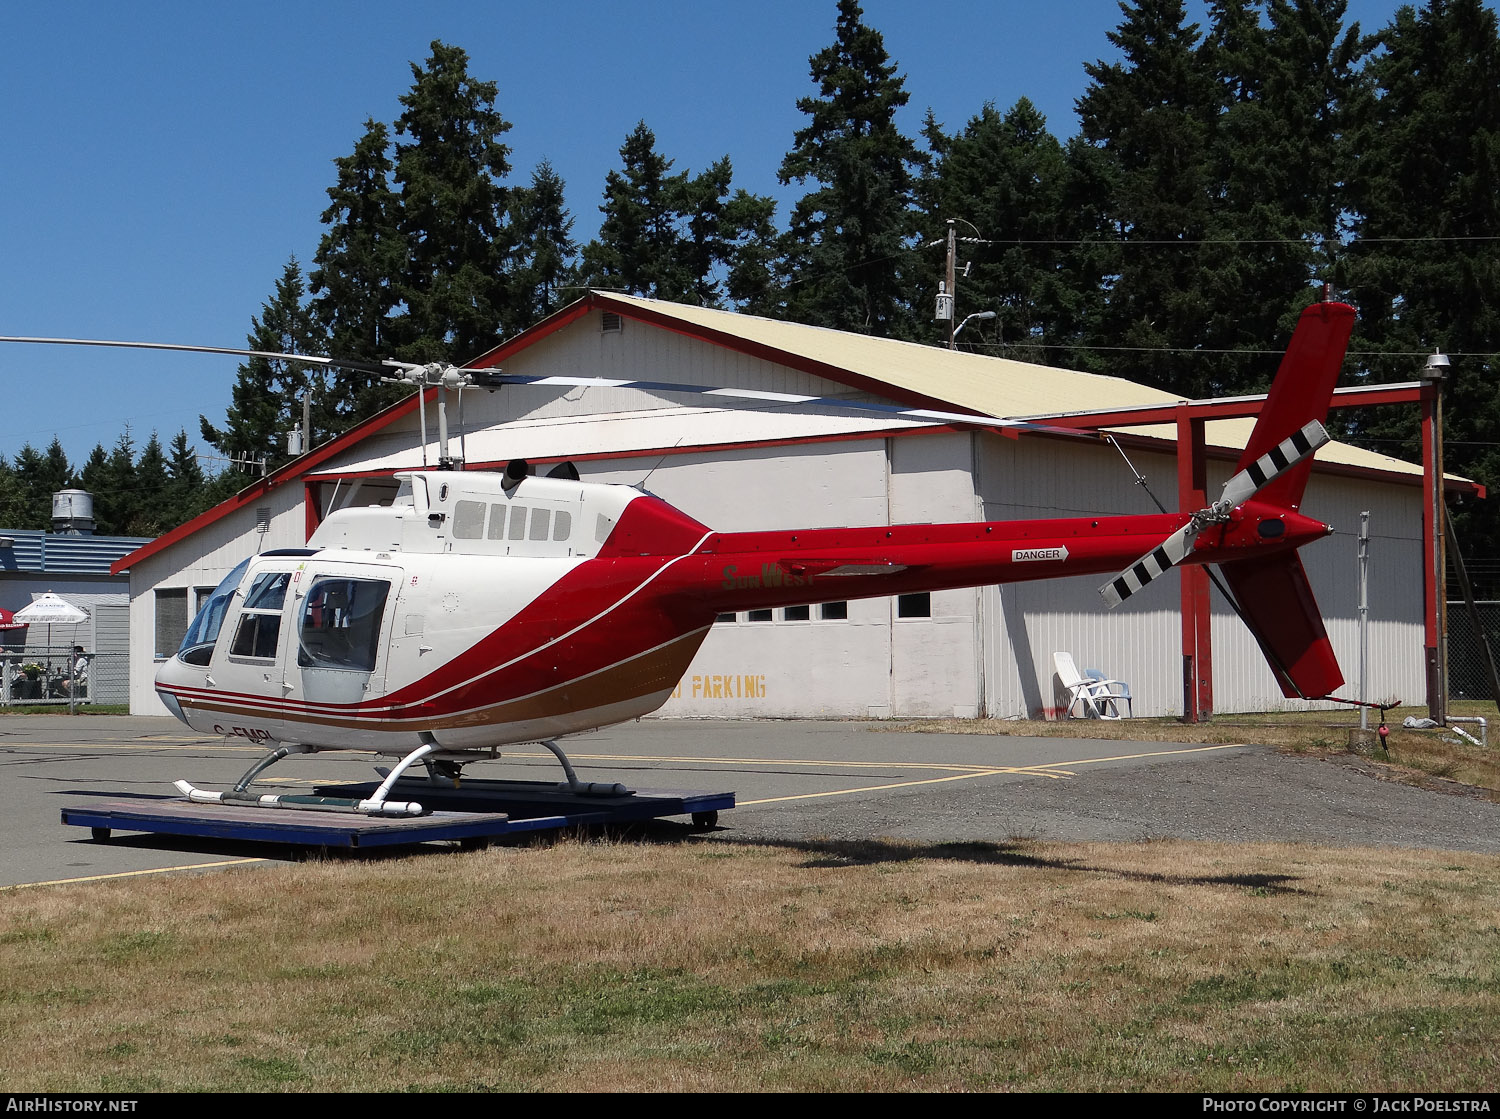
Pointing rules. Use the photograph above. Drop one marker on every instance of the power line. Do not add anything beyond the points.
(1189, 241)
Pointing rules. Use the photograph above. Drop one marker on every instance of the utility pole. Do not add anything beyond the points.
(952, 281)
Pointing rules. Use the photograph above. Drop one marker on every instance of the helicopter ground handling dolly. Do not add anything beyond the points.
(396, 811)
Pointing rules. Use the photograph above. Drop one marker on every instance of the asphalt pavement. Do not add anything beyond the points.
(794, 781)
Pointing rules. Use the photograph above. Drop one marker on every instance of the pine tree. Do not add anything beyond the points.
(12, 498)
(848, 261)
(187, 487)
(267, 394)
(1151, 117)
(1009, 178)
(39, 475)
(637, 250)
(94, 477)
(544, 262)
(1425, 271)
(749, 242)
(354, 284)
(117, 496)
(680, 237)
(450, 172)
(1276, 169)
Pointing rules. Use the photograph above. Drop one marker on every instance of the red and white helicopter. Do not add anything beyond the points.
(484, 609)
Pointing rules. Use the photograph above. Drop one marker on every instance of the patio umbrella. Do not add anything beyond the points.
(53, 610)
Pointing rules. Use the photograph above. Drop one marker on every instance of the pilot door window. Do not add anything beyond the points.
(260, 617)
(340, 625)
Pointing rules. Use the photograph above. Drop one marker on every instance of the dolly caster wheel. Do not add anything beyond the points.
(99, 834)
(705, 821)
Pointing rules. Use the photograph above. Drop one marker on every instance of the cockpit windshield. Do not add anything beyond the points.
(198, 644)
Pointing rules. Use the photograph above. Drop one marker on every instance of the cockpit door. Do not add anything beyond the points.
(341, 635)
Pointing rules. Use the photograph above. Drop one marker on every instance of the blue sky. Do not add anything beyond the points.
(161, 161)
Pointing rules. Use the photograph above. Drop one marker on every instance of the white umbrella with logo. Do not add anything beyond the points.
(51, 609)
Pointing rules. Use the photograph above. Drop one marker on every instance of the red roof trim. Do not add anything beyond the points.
(534, 334)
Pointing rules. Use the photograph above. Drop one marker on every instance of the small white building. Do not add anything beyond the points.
(738, 466)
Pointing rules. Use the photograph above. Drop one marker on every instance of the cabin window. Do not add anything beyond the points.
(497, 522)
(468, 520)
(268, 591)
(517, 522)
(541, 522)
(562, 525)
(260, 619)
(340, 625)
(198, 642)
(257, 635)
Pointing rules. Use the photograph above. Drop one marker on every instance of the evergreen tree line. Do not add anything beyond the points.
(1221, 176)
(135, 494)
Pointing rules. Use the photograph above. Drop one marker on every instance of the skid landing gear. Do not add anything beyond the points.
(376, 805)
(583, 788)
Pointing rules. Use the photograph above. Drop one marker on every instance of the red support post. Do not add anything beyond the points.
(1197, 642)
(1433, 575)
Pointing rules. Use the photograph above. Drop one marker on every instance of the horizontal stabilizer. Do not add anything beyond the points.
(1277, 604)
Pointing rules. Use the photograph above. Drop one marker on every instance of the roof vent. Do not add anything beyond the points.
(609, 323)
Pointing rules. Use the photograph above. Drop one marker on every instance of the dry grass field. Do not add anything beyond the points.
(715, 965)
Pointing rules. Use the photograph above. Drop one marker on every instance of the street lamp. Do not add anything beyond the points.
(982, 316)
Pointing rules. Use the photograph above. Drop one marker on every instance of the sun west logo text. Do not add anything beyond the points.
(770, 575)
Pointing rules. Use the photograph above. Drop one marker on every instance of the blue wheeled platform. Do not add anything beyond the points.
(535, 801)
(477, 812)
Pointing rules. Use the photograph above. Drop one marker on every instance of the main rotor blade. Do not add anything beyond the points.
(306, 359)
(758, 396)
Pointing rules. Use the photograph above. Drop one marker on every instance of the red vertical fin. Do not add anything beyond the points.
(1277, 604)
(1301, 392)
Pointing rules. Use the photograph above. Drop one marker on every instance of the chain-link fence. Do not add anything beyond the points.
(1468, 672)
(56, 675)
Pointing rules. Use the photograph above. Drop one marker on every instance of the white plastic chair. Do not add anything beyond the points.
(1122, 689)
(1097, 697)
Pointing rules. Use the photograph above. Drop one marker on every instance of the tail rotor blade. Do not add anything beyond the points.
(1273, 464)
(1291, 451)
(1165, 556)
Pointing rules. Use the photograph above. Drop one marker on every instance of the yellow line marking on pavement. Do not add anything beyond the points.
(132, 873)
(1051, 769)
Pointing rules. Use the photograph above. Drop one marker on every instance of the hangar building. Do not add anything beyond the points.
(739, 466)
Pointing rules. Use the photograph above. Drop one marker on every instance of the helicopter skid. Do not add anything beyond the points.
(371, 806)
